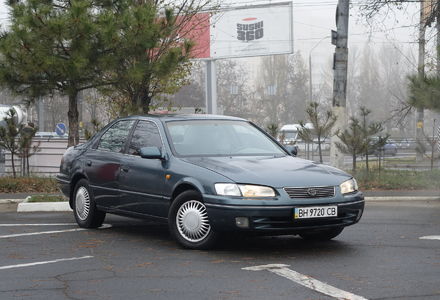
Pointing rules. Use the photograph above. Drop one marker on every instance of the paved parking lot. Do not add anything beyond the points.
(46, 256)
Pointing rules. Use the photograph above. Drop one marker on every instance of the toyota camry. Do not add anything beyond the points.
(205, 176)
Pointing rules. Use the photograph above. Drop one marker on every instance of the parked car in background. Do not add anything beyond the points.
(390, 148)
(289, 134)
(205, 176)
(405, 144)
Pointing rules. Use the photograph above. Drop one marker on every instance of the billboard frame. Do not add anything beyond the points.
(263, 5)
(210, 71)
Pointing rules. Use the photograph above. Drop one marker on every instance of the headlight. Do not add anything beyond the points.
(349, 186)
(256, 191)
(245, 190)
(227, 189)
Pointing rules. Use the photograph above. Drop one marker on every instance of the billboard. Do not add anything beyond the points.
(245, 31)
(252, 31)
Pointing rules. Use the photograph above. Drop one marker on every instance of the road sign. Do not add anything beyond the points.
(60, 129)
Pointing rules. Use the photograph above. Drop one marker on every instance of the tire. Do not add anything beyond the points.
(84, 207)
(188, 222)
(321, 235)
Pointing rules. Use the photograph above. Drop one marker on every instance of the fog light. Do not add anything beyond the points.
(242, 222)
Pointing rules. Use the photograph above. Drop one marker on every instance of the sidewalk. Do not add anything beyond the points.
(10, 202)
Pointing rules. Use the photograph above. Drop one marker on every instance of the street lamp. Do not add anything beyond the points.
(310, 68)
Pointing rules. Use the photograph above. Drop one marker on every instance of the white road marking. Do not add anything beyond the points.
(43, 262)
(105, 226)
(39, 233)
(430, 237)
(48, 224)
(307, 281)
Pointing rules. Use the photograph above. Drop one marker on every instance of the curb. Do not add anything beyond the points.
(11, 201)
(64, 206)
(44, 207)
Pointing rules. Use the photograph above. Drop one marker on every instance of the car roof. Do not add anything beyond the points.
(184, 117)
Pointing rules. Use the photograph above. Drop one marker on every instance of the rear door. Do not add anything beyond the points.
(142, 181)
(103, 163)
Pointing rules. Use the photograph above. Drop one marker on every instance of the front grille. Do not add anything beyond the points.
(311, 192)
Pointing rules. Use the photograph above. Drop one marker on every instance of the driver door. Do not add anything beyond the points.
(142, 181)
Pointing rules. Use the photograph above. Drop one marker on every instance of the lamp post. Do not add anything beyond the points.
(310, 68)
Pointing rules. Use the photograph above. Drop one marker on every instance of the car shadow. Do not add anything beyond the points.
(258, 246)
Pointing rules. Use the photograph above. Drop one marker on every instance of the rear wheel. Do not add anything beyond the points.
(322, 234)
(84, 207)
(189, 223)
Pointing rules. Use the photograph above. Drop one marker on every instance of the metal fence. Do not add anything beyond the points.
(45, 162)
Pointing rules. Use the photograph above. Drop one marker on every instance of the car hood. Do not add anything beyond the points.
(272, 171)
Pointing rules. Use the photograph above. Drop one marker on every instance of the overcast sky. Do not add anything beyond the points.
(314, 20)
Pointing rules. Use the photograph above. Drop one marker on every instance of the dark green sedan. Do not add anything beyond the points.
(206, 176)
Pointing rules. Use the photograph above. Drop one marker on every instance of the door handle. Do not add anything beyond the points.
(89, 163)
(125, 169)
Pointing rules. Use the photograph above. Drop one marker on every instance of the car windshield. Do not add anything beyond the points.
(289, 134)
(220, 138)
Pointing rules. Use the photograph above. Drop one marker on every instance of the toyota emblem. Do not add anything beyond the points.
(312, 192)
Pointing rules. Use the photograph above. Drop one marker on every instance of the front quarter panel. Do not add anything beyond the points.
(200, 178)
(69, 167)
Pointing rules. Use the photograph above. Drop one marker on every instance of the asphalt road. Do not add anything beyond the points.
(382, 257)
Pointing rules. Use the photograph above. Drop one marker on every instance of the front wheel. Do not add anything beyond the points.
(189, 223)
(321, 235)
(84, 207)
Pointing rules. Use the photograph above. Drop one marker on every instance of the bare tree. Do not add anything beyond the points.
(282, 88)
(233, 93)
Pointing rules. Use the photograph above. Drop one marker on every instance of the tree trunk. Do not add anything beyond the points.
(27, 165)
(13, 165)
(23, 166)
(73, 119)
(366, 161)
(140, 103)
(354, 163)
(145, 102)
(319, 149)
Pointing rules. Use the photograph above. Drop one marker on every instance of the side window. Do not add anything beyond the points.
(146, 134)
(114, 138)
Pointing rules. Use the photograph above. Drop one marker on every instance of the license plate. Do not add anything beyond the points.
(315, 212)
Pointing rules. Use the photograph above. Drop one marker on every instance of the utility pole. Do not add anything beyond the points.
(420, 114)
(340, 61)
(438, 37)
(310, 78)
(211, 87)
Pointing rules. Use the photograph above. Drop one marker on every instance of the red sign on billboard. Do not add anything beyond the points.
(197, 29)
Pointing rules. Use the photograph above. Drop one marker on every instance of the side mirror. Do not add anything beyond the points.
(292, 150)
(150, 153)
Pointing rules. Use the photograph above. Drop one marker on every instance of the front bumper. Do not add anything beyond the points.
(279, 219)
(63, 184)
